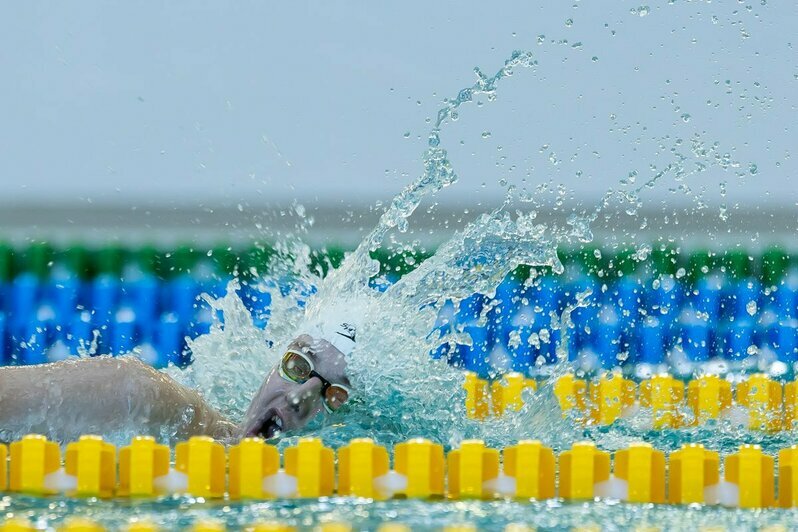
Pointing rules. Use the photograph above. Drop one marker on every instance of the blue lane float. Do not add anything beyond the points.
(618, 322)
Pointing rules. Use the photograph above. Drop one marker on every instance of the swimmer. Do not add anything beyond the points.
(122, 395)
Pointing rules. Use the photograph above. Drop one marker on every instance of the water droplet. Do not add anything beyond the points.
(406, 135)
(569, 22)
(752, 169)
(751, 308)
(686, 117)
(486, 134)
(594, 59)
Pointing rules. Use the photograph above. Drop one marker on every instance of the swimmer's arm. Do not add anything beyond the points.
(102, 395)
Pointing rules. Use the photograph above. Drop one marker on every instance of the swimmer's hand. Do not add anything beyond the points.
(104, 395)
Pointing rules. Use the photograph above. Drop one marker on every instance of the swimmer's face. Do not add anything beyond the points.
(282, 405)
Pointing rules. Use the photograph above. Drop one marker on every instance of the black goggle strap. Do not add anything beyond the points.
(324, 382)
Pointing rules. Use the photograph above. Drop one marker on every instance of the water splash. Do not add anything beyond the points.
(399, 392)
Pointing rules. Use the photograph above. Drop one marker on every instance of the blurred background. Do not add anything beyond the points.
(150, 152)
(203, 119)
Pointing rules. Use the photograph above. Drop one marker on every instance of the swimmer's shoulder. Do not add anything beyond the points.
(76, 368)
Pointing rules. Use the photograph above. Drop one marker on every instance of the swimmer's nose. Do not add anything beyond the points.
(305, 399)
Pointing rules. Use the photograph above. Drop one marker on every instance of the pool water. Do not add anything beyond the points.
(182, 512)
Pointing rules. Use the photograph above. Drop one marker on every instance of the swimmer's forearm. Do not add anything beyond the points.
(101, 395)
(174, 402)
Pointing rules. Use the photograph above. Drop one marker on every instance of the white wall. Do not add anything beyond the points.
(252, 102)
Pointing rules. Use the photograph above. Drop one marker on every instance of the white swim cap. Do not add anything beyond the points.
(338, 324)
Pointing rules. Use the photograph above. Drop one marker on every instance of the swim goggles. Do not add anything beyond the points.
(298, 368)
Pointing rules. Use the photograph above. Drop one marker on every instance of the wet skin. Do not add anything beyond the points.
(282, 405)
(107, 395)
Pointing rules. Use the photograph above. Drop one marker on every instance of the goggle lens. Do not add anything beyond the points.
(335, 396)
(296, 367)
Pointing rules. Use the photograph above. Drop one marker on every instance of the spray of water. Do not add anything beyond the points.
(399, 392)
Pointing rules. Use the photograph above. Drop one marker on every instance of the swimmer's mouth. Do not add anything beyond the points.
(271, 427)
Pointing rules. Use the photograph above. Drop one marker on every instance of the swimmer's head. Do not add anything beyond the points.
(309, 379)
